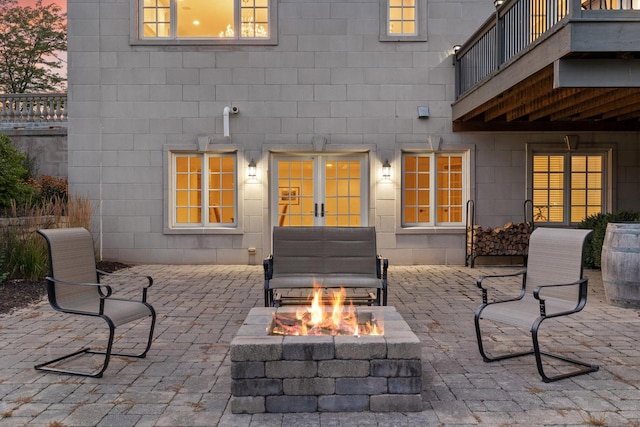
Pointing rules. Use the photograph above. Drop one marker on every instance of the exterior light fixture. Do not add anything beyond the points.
(498, 3)
(252, 169)
(386, 169)
(456, 49)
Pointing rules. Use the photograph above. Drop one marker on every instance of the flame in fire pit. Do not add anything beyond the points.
(318, 319)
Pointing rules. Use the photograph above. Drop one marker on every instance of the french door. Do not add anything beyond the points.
(319, 190)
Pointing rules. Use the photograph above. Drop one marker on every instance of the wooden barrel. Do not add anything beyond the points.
(621, 264)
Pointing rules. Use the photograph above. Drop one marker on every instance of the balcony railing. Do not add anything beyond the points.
(33, 110)
(516, 25)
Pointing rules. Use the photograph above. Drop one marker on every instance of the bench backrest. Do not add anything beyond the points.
(555, 257)
(324, 250)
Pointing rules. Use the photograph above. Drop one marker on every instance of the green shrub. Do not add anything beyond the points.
(12, 174)
(25, 254)
(598, 223)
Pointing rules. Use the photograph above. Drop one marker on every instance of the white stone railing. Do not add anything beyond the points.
(33, 110)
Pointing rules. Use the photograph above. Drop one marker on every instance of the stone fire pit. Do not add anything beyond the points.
(272, 373)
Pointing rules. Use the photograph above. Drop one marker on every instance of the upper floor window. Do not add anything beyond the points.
(204, 191)
(402, 17)
(433, 189)
(567, 187)
(220, 20)
(403, 20)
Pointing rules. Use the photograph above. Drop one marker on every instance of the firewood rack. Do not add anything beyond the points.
(471, 248)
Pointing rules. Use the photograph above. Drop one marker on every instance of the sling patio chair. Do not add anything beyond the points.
(552, 286)
(74, 287)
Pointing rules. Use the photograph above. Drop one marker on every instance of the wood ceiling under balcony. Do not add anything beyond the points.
(582, 74)
(533, 104)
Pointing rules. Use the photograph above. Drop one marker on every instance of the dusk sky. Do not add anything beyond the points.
(62, 3)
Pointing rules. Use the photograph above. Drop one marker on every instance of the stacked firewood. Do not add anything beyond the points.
(512, 239)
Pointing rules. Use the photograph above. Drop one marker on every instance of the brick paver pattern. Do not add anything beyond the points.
(185, 379)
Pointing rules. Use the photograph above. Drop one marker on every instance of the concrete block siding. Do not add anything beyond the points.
(328, 76)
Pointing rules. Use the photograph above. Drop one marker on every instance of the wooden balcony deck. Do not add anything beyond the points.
(551, 65)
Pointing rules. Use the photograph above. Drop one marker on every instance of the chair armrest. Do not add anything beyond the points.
(104, 292)
(485, 297)
(267, 264)
(382, 265)
(580, 303)
(148, 279)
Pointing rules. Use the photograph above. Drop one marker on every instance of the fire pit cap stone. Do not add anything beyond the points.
(256, 348)
(403, 346)
(361, 347)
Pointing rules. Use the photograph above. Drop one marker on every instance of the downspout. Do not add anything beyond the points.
(100, 132)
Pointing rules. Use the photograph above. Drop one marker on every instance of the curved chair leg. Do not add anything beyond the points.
(96, 374)
(586, 367)
(484, 355)
(107, 353)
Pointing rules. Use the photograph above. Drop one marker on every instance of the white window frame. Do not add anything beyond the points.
(606, 151)
(205, 225)
(421, 24)
(137, 38)
(433, 203)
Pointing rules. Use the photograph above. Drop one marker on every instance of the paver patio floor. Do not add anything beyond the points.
(185, 379)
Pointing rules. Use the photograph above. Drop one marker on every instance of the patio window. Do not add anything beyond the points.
(204, 190)
(567, 187)
(433, 189)
(223, 20)
(403, 20)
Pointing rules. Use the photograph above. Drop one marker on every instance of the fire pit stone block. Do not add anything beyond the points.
(308, 348)
(324, 373)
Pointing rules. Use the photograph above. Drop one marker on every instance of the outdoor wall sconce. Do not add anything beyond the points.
(456, 49)
(252, 169)
(386, 169)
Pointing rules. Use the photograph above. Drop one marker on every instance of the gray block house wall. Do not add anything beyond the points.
(329, 85)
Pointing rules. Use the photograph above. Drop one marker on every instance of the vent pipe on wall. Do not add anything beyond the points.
(225, 119)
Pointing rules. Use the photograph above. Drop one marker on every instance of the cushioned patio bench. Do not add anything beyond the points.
(328, 257)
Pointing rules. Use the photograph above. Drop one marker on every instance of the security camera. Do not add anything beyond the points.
(235, 110)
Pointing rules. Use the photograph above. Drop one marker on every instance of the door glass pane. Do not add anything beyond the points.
(342, 192)
(295, 193)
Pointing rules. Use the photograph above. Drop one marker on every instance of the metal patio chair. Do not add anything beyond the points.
(73, 287)
(552, 286)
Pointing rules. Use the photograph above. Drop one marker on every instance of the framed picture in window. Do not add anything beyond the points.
(289, 195)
